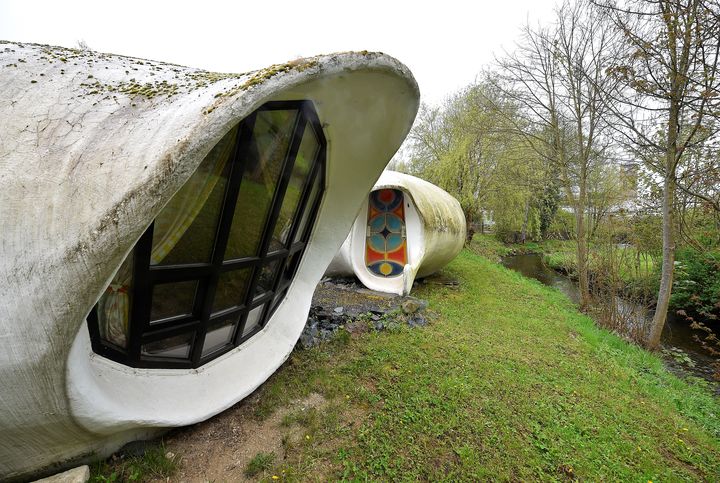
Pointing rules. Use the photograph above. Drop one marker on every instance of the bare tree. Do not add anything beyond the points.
(557, 75)
(668, 67)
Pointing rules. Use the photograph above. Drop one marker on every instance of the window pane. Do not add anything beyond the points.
(291, 265)
(308, 209)
(253, 320)
(263, 166)
(185, 228)
(171, 299)
(113, 308)
(220, 333)
(178, 347)
(301, 169)
(231, 289)
(277, 299)
(266, 277)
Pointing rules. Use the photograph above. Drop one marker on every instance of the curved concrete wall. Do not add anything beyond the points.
(91, 148)
(435, 228)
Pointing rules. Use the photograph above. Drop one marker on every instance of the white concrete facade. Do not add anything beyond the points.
(92, 146)
(435, 233)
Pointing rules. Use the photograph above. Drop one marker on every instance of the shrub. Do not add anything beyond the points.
(697, 281)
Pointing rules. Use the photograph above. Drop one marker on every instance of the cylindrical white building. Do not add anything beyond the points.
(408, 228)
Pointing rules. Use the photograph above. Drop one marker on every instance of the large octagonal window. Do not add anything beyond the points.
(219, 258)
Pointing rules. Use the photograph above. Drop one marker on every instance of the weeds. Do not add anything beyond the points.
(302, 417)
(154, 462)
(259, 463)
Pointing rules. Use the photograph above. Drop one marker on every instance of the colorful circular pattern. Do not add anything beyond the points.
(385, 250)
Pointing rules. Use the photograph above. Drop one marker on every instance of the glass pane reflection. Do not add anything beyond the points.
(184, 231)
(266, 278)
(263, 166)
(171, 299)
(315, 191)
(113, 308)
(220, 333)
(253, 320)
(301, 170)
(231, 289)
(176, 347)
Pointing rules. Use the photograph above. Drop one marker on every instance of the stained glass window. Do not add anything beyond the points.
(386, 241)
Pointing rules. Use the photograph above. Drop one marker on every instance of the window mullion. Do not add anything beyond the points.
(307, 189)
(278, 198)
(279, 195)
(223, 232)
(142, 296)
(233, 190)
(303, 205)
(145, 276)
(315, 204)
(312, 120)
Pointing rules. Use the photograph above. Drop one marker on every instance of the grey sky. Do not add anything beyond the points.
(444, 43)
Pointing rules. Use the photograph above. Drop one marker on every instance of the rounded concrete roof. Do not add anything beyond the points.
(92, 146)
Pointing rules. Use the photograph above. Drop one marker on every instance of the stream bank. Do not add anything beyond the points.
(682, 353)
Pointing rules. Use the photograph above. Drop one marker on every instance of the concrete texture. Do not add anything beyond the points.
(81, 474)
(92, 146)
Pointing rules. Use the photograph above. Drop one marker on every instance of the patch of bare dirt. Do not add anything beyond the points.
(353, 298)
(220, 448)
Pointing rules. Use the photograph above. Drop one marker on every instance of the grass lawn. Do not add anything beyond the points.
(509, 382)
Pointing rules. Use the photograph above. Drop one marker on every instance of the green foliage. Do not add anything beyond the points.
(697, 281)
(259, 463)
(154, 463)
(547, 206)
(679, 356)
(469, 147)
(646, 234)
(490, 247)
(562, 226)
(638, 272)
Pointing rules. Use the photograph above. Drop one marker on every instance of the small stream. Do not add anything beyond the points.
(676, 334)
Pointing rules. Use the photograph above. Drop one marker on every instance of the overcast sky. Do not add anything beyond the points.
(444, 43)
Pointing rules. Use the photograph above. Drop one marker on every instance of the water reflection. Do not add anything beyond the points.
(532, 266)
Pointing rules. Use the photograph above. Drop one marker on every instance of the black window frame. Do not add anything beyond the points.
(146, 276)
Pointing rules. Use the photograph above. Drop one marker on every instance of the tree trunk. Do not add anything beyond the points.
(582, 259)
(668, 264)
(582, 245)
(523, 234)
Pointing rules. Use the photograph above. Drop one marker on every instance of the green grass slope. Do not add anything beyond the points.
(509, 382)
